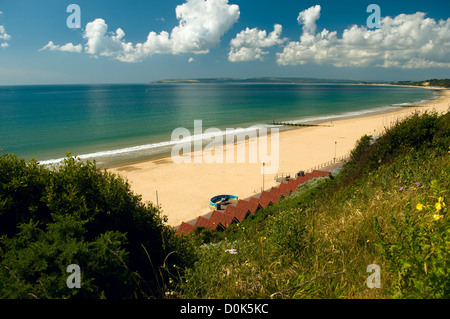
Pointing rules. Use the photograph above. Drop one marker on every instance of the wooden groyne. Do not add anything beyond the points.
(297, 124)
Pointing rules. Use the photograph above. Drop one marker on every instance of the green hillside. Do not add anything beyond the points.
(388, 207)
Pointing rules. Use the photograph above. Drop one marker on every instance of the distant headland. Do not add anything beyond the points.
(283, 80)
(293, 80)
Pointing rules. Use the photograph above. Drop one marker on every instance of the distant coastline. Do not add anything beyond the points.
(268, 80)
(431, 84)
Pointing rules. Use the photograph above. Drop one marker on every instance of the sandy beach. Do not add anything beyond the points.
(183, 190)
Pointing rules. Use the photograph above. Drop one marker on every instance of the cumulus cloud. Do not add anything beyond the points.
(4, 37)
(69, 47)
(308, 18)
(405, 41)
(201, 25)
(248, 44)
(101, 43)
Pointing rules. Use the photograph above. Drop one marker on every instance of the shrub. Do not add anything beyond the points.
(79, 214)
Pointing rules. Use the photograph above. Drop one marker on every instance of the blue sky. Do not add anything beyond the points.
(221, 38)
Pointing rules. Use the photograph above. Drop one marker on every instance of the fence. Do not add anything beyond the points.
(329, 163)
(280, 176)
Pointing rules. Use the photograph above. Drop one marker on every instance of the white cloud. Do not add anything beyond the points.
(308, 18)
(191, 59)
(248, 44)
(4, 37)
(405, 41)
(246, 54)
(101, 44)
(201, 25)
(69, 47)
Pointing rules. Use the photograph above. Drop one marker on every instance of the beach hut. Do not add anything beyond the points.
(239, 213)
(251, 206)
(223, 219)
(207, 223)
(185, 228)
(317, 173)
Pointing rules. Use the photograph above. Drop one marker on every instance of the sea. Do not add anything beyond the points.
(115, 124)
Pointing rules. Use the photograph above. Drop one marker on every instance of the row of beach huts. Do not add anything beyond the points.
(220, 220)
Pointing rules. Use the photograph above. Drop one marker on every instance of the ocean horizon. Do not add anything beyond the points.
(122, 123)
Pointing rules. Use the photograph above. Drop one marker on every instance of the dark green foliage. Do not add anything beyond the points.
(21, 186)
(202, 235)
(79, 214)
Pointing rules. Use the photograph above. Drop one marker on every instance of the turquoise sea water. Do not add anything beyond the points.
(123, 123)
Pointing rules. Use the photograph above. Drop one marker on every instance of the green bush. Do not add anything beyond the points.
(79, 214)
(418, 132)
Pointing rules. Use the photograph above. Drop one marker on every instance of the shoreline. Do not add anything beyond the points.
(148, 148)
(305, 122)
(183, 190)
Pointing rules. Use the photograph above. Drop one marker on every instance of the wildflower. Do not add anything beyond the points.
(419, 206)
(231, 251)
(417, 184)
(437, 217)
(438, 206)
(401, 188)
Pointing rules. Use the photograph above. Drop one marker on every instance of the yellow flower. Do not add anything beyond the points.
(419, 206)
(438, 206)
(437, 217)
